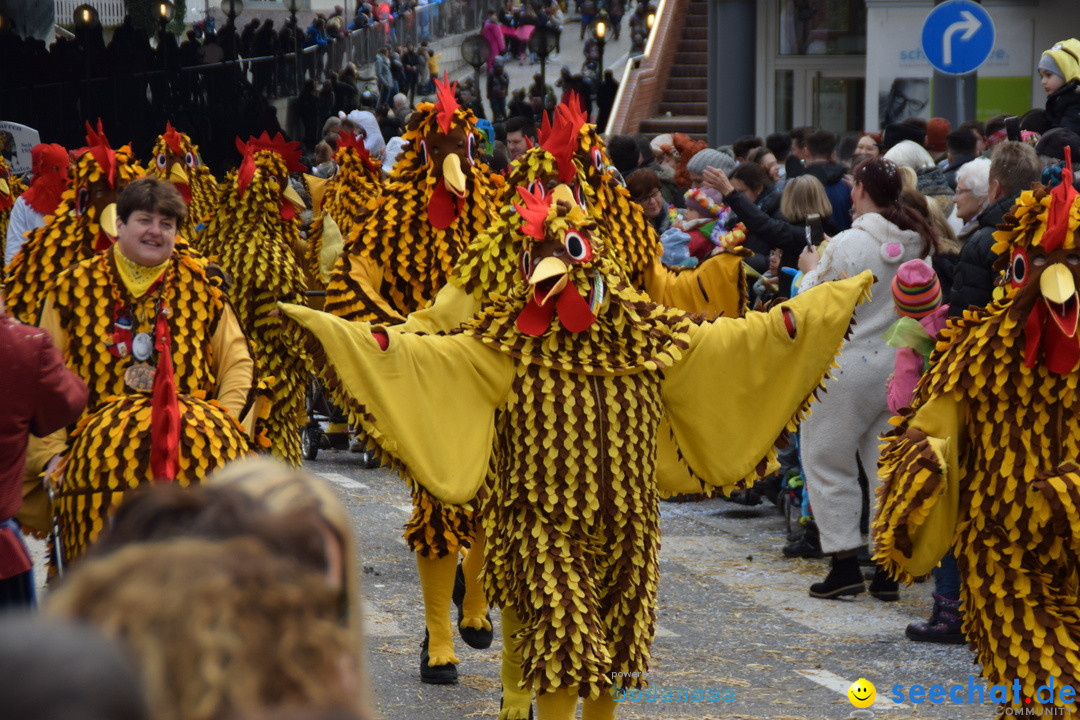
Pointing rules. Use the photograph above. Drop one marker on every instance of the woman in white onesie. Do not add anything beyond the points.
(852, 414)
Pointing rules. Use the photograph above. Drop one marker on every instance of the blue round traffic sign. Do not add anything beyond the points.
(958, 36)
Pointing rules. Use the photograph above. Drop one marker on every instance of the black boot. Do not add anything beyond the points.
(476, 638)
(943, 625)
(844, 578)
(807, 546)
(435, 674)
(883, 587)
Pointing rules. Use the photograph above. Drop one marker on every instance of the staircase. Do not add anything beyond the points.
(684, 104)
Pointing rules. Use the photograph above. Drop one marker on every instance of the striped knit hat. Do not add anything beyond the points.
(916, 289)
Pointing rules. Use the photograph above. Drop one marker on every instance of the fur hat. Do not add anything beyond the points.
(916, 290)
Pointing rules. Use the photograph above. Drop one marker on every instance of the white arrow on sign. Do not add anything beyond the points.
(970, 25)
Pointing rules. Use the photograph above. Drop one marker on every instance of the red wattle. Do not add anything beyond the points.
(1062, 351)
(288, 210)
(535, 319)
(185, 191)
(574, 312)
(443, 207)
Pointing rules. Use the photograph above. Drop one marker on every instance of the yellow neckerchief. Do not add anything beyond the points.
(138, 279)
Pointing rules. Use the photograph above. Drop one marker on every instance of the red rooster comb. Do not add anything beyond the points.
(173, 139)
(446, 103)
(1061, 202)
(98, 146)
(348, 139)
(288, 151)
(562, 139)
(534, 212)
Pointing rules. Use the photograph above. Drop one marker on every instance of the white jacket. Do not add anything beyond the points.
(873, 243)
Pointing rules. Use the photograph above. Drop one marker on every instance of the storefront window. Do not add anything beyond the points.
(785, 99)
(838, 103)
(822, 27)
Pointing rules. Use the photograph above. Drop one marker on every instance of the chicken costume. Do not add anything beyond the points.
(173, 415)
(437, 200)
(11, 187)
(490, 265)
(986, 456)
(254, 236)
(395, 261)
(176, 159)
(339, 204)
(550, 399)
(82, 225)
(571, 151)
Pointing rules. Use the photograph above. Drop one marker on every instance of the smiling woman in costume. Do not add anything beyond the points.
(168, 367)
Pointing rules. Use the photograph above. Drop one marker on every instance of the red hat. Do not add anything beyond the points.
(937, 128)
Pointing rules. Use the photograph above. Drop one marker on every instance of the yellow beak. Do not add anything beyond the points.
(293, 197)
(1056, 284)
(547, 269)
(453, 176)
(108, 219)
(177, 174)
(4, 187)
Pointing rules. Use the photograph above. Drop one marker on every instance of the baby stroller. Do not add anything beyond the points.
(327, 428)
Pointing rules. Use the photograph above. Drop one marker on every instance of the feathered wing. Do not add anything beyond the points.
(716, 288)
(920, 493)
(428, 402)
(744, 382)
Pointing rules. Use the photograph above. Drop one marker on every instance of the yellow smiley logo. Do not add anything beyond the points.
(862, 693)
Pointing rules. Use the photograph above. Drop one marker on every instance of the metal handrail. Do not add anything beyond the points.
(634, 63)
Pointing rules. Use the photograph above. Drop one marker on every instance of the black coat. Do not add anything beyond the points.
(973, 279)
(766, 229)
(1063, 106)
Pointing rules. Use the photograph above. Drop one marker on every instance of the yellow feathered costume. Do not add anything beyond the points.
(176, 159)
(11, 187)
(338, 204)
(986, 458)
(109, 452)
(437, 200)
(83, 224)
(558, 389)
(254, 236)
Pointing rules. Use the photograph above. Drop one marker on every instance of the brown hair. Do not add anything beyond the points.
(163, 512)
(882, 181)
(1015, 166)
(641, 183)
(753, 176)
(153, 195)
(216, 629)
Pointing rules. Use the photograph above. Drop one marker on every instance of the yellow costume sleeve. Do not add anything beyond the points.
(919, 499)
(232, 364)
(427, 401)
(366, 274)
(451, 307)
(744, 381)
(713, 288)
